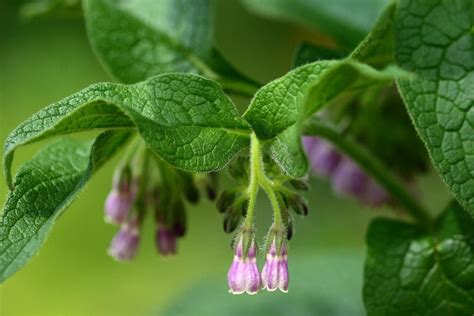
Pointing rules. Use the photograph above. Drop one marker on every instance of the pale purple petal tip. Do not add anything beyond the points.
(125, 244)
(349, 179)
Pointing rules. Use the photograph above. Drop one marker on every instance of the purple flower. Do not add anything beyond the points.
(374, 194)
(349, 179)
(243, 274)
(117, 206)
(125, 244)
(275, 271)
(165, 240)
(324, 158)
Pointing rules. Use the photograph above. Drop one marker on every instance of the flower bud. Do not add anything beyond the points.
(165, 240)
(231, 219)
(125, 244)
(243, 274)
(121, 198)
(297, 204)
(299, 184)
(225, 199)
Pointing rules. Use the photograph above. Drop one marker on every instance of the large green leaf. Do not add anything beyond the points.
(184, 118)
(279, 109)
(347, 21)
(411, 272)
(139, 39)
(44, 187)
(435, 40)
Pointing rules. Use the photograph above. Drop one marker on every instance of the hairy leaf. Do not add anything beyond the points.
(410, 272)
(44, 187)
(279, 109)
(435, 40)
(184, 118)
(347, 21)
(136, 40)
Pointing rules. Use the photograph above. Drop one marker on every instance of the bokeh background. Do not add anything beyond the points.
(45, 59)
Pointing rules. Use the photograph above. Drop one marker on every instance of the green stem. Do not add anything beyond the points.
(240, 87)
(257, 179)
(373, 166)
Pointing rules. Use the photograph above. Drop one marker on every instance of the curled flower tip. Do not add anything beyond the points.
(117, 206)
(243, 275)
(324, 158)
(165, 241)
(275, 271)
(125, 244)
(349, 179)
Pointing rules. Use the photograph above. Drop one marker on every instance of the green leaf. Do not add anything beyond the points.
(347, 21)
(44, 187)
(411, 272)
(279, 109)
(185, 119)
(136, 40)
(434, 39)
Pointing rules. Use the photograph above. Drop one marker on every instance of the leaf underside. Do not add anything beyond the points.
(44, 187)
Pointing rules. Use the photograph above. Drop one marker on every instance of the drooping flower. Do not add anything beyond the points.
(275, 271)
(243, 275)
(349, 179)
(165, 240)
(125, 244)
(374, 194)
(121, 198)
(324, 158)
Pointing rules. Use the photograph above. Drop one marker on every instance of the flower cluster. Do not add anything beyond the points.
(243, 275)
(347, 178)
(143, 185)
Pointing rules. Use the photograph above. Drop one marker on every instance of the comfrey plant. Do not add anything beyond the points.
(370, 107)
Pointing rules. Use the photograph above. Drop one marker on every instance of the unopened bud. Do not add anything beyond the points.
(231, 219)
(299, 184)
(226, 198)
(298, 204)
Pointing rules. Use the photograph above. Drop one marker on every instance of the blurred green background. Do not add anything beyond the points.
(48, 58)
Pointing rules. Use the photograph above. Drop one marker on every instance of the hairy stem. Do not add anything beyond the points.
(240, 87)
(257, 179)
(371, 165)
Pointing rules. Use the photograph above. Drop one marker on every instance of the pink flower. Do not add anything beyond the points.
(275, 271)
(243, 275)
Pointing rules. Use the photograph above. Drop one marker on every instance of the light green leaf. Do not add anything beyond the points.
(279, 109)
(185, 119)
(347, 21)
(44, 187)
(410, 272)
(136, 40)
(435, 40)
